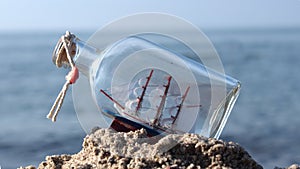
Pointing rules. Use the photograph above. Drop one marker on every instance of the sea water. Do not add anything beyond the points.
(265, 119)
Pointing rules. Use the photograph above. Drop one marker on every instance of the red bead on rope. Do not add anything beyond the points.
(72, 75)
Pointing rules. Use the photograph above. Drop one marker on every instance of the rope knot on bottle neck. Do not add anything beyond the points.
(63, 55)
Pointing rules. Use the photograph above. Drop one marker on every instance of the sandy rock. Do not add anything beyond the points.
(105, 148)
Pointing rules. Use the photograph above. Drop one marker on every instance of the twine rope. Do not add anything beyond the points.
(72, 76)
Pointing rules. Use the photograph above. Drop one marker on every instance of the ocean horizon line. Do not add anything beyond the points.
(255, 29)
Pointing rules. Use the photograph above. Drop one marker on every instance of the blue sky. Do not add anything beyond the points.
(90, 15)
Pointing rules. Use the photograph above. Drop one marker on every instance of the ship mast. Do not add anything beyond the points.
(162, 103)
(140, 99)
(180, 105)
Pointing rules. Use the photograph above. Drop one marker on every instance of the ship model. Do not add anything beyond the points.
(162, 121)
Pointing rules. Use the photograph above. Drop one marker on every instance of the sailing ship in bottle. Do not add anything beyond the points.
(136, 83)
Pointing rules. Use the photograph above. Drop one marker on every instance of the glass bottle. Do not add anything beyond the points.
(137, 83)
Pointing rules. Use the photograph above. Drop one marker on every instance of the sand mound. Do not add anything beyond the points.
(104, 148)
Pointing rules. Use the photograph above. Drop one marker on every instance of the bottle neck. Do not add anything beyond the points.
(85, 56)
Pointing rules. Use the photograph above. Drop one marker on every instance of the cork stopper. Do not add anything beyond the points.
(59, 56)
